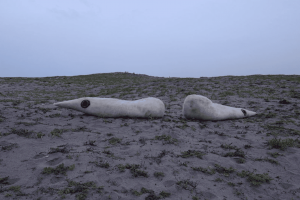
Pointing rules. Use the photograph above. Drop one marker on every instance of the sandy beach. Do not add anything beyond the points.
(47, 152)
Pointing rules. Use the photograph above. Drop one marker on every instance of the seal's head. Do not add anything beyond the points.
(85, 104)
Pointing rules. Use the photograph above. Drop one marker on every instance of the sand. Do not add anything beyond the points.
(48, 152)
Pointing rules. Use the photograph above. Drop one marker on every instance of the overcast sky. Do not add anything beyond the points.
(177, 38)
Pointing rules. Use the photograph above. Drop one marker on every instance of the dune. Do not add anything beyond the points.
(48, 152)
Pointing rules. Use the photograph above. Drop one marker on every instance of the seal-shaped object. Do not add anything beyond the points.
(111, 107)
(202, 108)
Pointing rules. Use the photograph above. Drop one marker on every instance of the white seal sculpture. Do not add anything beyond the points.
(202, 108)
(110, 107)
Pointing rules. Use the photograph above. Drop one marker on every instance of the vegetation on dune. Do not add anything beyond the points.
(228, 153)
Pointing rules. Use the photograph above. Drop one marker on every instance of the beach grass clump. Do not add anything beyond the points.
(21, 132)
(282, 144)
(267, 160)
(58, 132)
(45, 110)
(142, 191)
(8, 147)
(60, 169)
(275, 154)
(255, 179)
(134, 169)
(208, 170)
(167, 139)
(164, 194)
(159, 174)
(152, 196)
(108, 153)
(101, 164)
(4, 180)
(61, 149)
(80, 189)
(237, 153)
(16, 102)
(114, 140)
(187, 184)
(15, 189)
(294, 94)
(90, 142)
(192, 153)
(54, 115)
(80, 129)
(223, 170)
(136, 172)
(121, 167)
(270, 115)
(228, 146)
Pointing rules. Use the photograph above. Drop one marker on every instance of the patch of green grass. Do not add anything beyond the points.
(54, 115)
(60, 148)
(121, 167)
(26, 123)
(80, 189)
(58, 132)
(60, 169)
(90, 142)
(208, 170)
(218, 180)
(270, 115)
(223, 170)
(167, 139)
(80, 129)
(44, 110)
(15, 188)
(134, 169)
(240, 160)
(231, 184)
(294, 94)
(255, 179)
(282, 144)
(40, 135)
(8, 147)
(226, 93)
(191, 153)
(247, 146)
(136, 172)
(16, 102)
(108, 153)
(101, 164)
(114, 140)
(8, 195)
(4, 180)
(187, 184)
(267, 160)
(142, 191)
(21, 132)
(237, 153)
(159, 174)
(275, 154)
(183, 125)
(164, 194)
(228, 146)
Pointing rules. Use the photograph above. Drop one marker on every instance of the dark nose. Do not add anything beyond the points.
(244, 112)
(85, 103)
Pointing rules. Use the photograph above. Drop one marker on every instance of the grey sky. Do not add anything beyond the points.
(174, 38)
